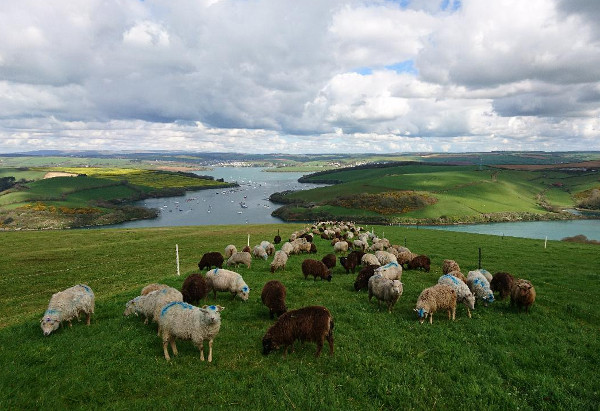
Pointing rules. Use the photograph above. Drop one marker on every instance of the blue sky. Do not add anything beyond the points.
(312, 76)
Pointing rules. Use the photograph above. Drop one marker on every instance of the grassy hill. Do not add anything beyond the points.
(450, 194)
(499, 359)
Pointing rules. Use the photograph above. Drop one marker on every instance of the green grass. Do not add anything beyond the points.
(499, 359)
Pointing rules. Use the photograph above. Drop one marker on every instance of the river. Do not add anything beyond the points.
(247, 204)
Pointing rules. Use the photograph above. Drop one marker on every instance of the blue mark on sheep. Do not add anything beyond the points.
(421, 312)
(216, 269)
(88, 289)
(212, 307)
(245, 289)
(183, 305)
(451, 278)
(392, 264)
(51, 311)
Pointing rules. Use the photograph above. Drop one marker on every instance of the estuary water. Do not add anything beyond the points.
(247, 204)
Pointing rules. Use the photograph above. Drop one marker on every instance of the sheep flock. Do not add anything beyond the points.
(385, 270)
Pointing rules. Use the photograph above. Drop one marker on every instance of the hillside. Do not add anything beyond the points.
(498, 359)
(421, 193)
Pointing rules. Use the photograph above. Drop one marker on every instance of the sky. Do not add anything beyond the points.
(310, 76)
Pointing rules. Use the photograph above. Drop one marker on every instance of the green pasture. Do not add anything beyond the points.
(499, 359)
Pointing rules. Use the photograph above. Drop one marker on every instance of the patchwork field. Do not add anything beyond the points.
(499, 359)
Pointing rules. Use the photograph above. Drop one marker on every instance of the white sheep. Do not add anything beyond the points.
(269, 248)
(480, 287)
(279, 261)
(66, 305)
(287, 248)
(391, 271)
(340, 247)
(225, 280)
(438, 297)
(149, 305)
(463, 294)
(385, 258)
(299, 245)
(187, 322)
(259, 252)
(369, 259)
(359, 245)
(230, 250)
(240, 257)
(385, 289)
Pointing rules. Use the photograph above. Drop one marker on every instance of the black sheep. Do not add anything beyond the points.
(194, 288)
(212, 259)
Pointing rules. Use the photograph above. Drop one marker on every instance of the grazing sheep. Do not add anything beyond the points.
(313, 248)
(212, 259)
(480, 287)
(459, 275)
(287, 248)
(340, 247)
(194, 288)
(329, 260)
(179, 320)
(259, 252)
(385, 258)
(269, 248)
(307, 236)
(279, 261)
(152, 287)
(486, 274)
(384, 289)
(246, 249)
(230, 250)
(438, 297)
(316, 269)
(502, 282)
(393, 251)
(314, 324)
(420, 261)
(359, 245)
(66, 305)
(377, 247)
(273, 296)
(404, 257)
(362, 279)
(277, 238)
(449, 265)
(149, 305)
(370, 259)
(522, 294)
(351, 261)
(241, 257)
(463, 294)
(225, 280)
(163, 297)
(391, 271)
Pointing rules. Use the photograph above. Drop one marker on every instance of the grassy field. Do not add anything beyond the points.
(462, 193)
(499, 359)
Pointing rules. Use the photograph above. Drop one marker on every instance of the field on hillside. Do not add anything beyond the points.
(499, 359)
(461, 194)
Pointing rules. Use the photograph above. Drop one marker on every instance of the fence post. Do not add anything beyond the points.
(545, 242)
(177, 257)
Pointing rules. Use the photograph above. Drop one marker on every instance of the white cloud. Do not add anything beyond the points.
(282, 75)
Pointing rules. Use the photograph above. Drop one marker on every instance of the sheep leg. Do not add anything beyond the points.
(453, 313)
(319, 348)
(70, 325)
(201, 348)
(210, 344)
(89, 316)
(165, 349)
(431, 318)
(173, 346)
(285, 351)
(469, 312)
(330, 341)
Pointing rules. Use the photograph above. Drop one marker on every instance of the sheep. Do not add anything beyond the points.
(269, 248)
(522, 294)
(377, 247)
(502, 282)
(230, 250)
(384, 289)
(458, 275)
(391, 271)
(384, 257)
(308, 237)
(225, 280)
(437, 297)
(362, 279)
(194, 288)
(246, 249)
(329, 260)
(259, 252)
(186, 322)
(449, 265)
(351, 261)
(359, 245)
(152, 287)
(287, 248)
(463, 294)
(277, 238)
(316, 269)
(241, 257)
(420, 261)
(142, 305)
(313, 248)
(279, 261)
(273, 296)
(211, 259)
(393, 251)
(486, 274)
(404, 257)
(313, 323)
(66, 305)
(370, 259)
(480, 287)
(340, 247)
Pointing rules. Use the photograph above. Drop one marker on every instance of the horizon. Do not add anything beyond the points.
(276, 76)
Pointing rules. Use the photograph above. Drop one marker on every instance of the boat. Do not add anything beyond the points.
(243, 205)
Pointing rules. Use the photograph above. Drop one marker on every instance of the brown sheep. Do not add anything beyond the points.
(329, 260)
(449, 265)
(273, 296)
(420, 261)
(313, 324)
(247, 249)
(362, 279)
(502, 282)
(212, 259)
(522, 294)
(194, 288)
(316, 269)
(432, 299)
(313, 248)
